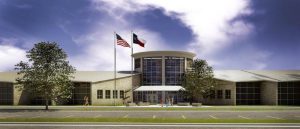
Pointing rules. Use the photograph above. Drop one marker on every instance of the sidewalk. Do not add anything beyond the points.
(87, 107)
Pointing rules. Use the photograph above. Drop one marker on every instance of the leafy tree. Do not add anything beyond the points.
(198, 81)
(47, 74)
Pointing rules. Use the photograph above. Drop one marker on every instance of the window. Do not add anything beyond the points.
(81, 89)
(212, 94)
(137, 63)
(248, 93)
(227, 94)
(152, 71)
(220, 94)
(6, 93)
(107, 94)
(289, 93)
(121, 94)
(99, 94)
(115, 94)
(174, 69)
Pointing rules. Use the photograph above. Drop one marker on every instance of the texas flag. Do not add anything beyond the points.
(138, 41)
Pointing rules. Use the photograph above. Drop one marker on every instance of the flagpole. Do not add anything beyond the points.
(132, 63)
(115, 69)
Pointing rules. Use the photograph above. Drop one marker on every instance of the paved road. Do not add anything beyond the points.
(148, 126)
(153, 114)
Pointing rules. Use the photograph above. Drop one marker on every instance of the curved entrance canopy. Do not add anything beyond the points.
(159, 88)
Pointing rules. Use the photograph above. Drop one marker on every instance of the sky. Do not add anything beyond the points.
(229, 34)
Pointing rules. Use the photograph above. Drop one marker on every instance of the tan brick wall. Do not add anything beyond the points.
(122, 84)
(223, 85)
(20, 96)
(268, 94)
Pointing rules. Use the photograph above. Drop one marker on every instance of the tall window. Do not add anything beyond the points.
(121, 94)
(152, 71)
(219, 94)
(81, 89)
(189, 62)
(99, 94)
(174, 70)
(137, 63)
(227, 94)
(115, 94)
(6, 93)
(289, 93)
(248, 93)
(107, 94)
(212, 94)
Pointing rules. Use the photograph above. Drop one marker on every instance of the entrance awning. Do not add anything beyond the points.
(159, 88)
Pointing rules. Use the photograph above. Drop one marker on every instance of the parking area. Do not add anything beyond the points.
(288, 115)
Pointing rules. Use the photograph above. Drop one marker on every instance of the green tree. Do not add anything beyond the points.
(198, 81)
(47, 74)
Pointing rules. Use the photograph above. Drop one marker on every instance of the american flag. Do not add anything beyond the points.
(121, 41)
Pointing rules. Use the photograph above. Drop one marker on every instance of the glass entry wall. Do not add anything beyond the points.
(152, 71)
(174, 68)
(155, 97)
(81, 89)
(6, 93)
(289, 93)
(248, 93)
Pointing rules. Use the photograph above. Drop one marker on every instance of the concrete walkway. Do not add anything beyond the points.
(84, 107)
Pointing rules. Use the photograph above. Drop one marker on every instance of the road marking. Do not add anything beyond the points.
(244, 117)
(213, 117)
(125, 116)
(13, 116)
(153, 116)
(35, 116)
(243, 125)
(68, 116)
(97, 116)
(274, 117)
(183, 117)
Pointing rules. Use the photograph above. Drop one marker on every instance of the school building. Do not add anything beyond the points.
(158, 75)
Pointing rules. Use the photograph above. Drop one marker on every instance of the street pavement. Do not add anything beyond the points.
(145, 126)
(280, 115)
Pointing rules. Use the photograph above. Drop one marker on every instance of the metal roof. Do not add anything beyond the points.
(227, 75)
(159, 88)
(257, 75)
(79, 76)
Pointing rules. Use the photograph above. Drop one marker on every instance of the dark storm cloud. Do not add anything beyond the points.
(49, 20)
(171, 29)
(276, 31)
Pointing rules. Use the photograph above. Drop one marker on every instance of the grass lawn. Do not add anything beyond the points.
(147, 120)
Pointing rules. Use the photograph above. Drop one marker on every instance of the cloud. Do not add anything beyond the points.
(212, 22)
(10, 56)
(247, 57)
(98, 50)
(206, 18)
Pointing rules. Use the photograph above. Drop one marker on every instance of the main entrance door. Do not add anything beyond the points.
(152, 98)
